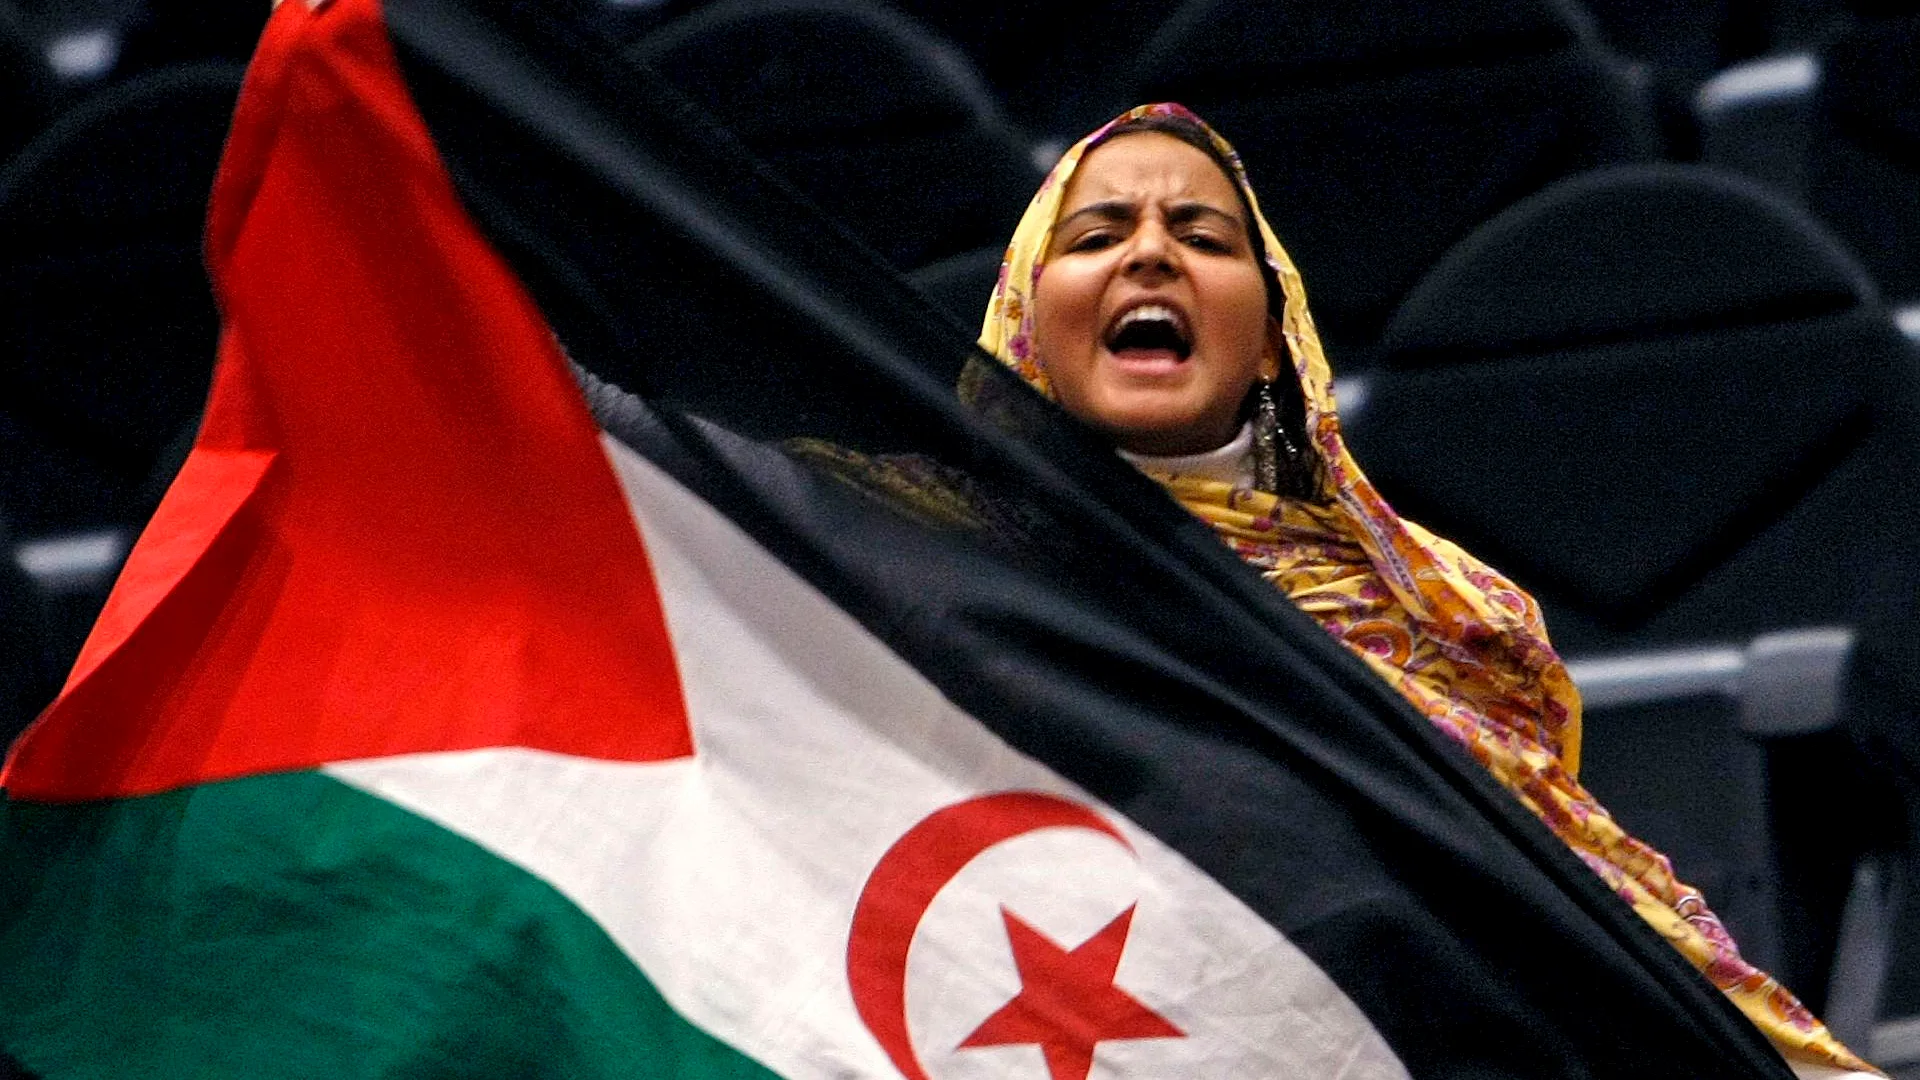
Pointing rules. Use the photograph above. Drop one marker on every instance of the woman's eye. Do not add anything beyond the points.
(1207, 242)
(1092, 241)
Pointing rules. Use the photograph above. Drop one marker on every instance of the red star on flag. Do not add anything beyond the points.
(1067, 1002)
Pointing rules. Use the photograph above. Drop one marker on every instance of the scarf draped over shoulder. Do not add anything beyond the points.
(1466, 646)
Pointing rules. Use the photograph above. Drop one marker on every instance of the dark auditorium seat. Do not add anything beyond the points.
(86, 44)
(1682, 40)
(1803, 24)
(1883, 717)
(174, 32)
(26, 83)
(960, 284)
(1675, 408)
(881, 124)
(1676, 45)
(107, 325)
(1865, 161)
(1052, 66)
(1759, 118)
(27, 682)
(1383, 133)
(1839, 131)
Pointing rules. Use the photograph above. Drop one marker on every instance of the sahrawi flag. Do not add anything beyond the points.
(759, 711)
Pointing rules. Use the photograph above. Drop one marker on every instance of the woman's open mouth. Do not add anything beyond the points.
(1150, 335)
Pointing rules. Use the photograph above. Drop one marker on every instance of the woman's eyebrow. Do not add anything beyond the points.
(1108, 210)
(1125, 210)
(1188, 211)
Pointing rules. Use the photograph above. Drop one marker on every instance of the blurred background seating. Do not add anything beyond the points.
(26, 81)
(1052, 65)
(1865, 165)
(887, 128)
(1387, 131)
(107, 323)
(1623, 294)
(1836, 128)
(1674, 406)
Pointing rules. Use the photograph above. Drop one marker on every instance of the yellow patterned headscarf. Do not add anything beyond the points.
(1464, 645)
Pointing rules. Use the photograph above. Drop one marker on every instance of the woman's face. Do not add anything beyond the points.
(1150, 317)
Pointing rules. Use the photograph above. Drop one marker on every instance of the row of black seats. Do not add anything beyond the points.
(1432, 121)
(1837, 129)
(108, 326)
(1435, 116)
(1431, 118)
(1046, 61)
(1675, 408)
(54, 53)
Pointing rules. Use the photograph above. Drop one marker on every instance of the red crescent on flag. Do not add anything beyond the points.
(908, 877)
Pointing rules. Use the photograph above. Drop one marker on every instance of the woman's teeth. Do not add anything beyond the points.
(1149, 327)
(1150, 311)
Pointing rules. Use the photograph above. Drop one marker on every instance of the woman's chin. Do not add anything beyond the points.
(1165, 434)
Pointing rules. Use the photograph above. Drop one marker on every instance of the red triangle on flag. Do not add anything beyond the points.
(398, 532)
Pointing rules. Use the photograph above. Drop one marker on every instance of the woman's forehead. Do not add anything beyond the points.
(1149, 166)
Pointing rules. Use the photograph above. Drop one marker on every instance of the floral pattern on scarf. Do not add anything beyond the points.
(1467, 647)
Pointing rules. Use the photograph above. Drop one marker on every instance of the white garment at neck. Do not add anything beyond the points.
(1231, 463)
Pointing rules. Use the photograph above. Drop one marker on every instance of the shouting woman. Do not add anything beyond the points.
(1144, 292)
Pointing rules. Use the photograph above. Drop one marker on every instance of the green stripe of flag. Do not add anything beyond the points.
(290, 926)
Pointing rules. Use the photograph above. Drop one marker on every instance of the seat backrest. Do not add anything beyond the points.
(1686, 40)
(26, 82)
(108, 321)
(960, 286)
(1757, 119)
(1672, 406)
(1883, 716)
(1883, 690)
(25, 667)
(1382, 133)
(1661, 397)
(1733, 762)
(1673, 46)
(1654, 719)
(174, 32)
(1804, 24)
(1052, 66)
(1865, 162)
(882, 125)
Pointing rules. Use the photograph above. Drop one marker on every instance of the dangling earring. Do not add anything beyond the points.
(1266, 439)
(1271, 444)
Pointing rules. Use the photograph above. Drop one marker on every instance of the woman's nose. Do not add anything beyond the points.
(1151, 251)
